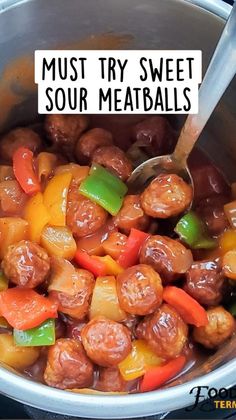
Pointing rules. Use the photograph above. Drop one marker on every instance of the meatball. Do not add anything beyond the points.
(131, 215)
(89, 142)
(155, 135)
(166, 196)
(68, 366)
(211, 211)
(18, 138)
(220, 327)
(165, 332)
(64, 130)
(167, 256)
(139, 290)
(83, 216)
(26, 264)
(106, 342)
(205, 282)
(76, 305)
(12, 197)
(110, 380)
(113, 159)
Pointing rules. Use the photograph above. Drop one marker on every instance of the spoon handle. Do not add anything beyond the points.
(220, 72)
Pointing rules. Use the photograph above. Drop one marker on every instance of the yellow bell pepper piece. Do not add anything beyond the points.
(55, 198)
(138, 361)
(14, 356)
(227, 241)
(112, 267)
(229, 264)
(37, 216)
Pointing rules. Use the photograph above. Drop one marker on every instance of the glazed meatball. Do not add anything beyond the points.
(220, 327)
(114, 244)
(155, 135)
(17, 138)
(83, 216)
(64, 130)
(106, 342)
(131, 215)
(139, 290)
(26, 264)
(110, 380)
(211, 211)
(76, 305)
(167, 256)
(113, 159)
(205, 282)
(12, 197)
(166, 196)
(89, 142)
(165, 332)
(68, 366)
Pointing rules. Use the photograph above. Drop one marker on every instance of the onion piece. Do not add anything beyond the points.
(64, 277)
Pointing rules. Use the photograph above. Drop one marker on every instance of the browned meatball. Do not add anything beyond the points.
(205, 282)
(155, 135)
(12, 198)
(131, 215)
(83, 216)
(106, 342)
(219, 328)
(165, 332)
(18, 138)
(211, 211)
(76, 305)
(139, 290)
(110, 380)
(68, 366)
(166, 196)
(89, 142)
(64, 130)
(167, 256)
(26, 264)
(115, 160)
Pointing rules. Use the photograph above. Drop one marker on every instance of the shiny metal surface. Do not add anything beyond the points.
(170, 24)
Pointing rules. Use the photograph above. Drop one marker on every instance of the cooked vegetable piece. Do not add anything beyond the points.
(105, 301)
(228, 241)
(230, 212)
(63, 276)
(3, 281)
(43, 335)
(112, 267)
(114, 244)
(113, 181)
(157, 376)
(14, 356)
(24, 170)
(79, 173)
(138, 361)
(96, 266)
(37, 216)
(129, 256)
(45, 163)
(59, 241)
(189, 309)
(12, 230)
(24, 308)
(229, 264)
(55, 198)
(192, 231)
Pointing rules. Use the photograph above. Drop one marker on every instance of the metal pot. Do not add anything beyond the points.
(152, 24)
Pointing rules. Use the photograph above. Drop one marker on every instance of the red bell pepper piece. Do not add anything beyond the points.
(94, 265)
(189, 309)
(24, 170)
(158, 375)
(24, 308)
(130, 254)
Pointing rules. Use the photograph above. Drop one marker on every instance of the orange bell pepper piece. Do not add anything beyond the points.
(37, 216)
(55, 198)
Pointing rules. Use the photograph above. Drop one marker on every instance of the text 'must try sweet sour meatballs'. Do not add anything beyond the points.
(139, 290)
(68, 366)
(26, 264)
(167, 256)
(166, 196)
(106, 342)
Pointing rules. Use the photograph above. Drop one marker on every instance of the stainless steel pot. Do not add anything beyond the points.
(153, 24)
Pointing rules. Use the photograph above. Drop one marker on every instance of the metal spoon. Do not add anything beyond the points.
(220, 72)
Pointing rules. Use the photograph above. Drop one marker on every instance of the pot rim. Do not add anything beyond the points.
(138, 405)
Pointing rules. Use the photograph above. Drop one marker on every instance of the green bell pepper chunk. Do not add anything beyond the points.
(111, 180)
(43, 335)
(192, 231)
(3, 281)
